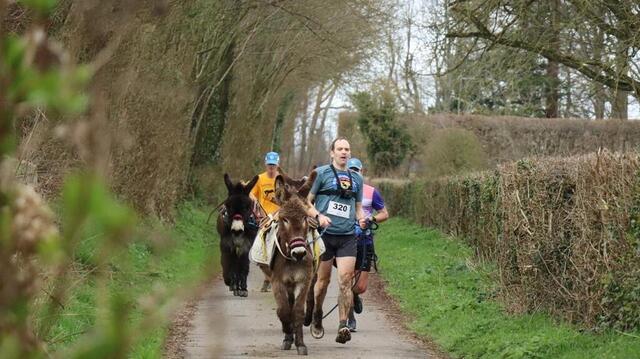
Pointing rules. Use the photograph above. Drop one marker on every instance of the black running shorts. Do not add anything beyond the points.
(338, 246)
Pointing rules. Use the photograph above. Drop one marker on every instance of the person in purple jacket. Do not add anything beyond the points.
(375, 211)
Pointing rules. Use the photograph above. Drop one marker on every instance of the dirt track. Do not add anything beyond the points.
(225, 326)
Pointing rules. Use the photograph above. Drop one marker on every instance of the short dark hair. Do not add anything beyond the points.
(333, 143)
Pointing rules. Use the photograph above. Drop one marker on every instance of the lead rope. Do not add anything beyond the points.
(357, 278)
(216, 208)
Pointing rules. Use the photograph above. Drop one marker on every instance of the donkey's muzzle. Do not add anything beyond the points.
(297, 247)
(237, 225)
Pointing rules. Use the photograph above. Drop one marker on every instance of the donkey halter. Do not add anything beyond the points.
(250, 222)
(296, 243)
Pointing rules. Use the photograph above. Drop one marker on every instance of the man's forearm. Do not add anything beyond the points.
(359, 211)
(380, 216)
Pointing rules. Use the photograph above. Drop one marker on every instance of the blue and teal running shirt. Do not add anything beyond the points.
(342, 211)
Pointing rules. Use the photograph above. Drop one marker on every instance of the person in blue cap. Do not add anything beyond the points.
(264, 193)
(374, 211)
(264, 190)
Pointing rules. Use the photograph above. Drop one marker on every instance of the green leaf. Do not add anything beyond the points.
(44, 7)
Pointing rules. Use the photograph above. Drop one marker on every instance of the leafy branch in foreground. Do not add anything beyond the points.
(36, 258)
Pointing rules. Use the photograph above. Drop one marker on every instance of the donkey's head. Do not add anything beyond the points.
(293, 218)
(238, 205)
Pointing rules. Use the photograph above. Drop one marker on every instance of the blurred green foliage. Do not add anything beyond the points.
(96, 259)
(43, 7)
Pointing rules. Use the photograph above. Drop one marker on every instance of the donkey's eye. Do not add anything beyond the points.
(285, 221)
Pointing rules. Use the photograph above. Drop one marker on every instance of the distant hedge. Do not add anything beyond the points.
(507, 138)
(564, 232)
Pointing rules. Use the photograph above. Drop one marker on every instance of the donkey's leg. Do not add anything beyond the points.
(227, 270)
(308, 315)
(236, 275)
(300, 294)
(266, 284)
(284, 314)
(320, 291)
(243, 270)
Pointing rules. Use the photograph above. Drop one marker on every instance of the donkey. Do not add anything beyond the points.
(237, 229)
(293, 263)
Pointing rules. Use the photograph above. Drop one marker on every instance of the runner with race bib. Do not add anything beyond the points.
(337, 197)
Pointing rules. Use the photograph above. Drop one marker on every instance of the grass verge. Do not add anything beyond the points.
(161, 263)
(452, 301)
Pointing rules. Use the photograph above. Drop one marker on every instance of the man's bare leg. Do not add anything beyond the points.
(361, 279)
(345, 299)
(363, 282)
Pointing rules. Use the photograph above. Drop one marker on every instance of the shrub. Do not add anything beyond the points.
(563, 231)
(388, 143)
(453, 151)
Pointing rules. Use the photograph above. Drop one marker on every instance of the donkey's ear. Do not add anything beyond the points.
(306, 187)
(249, 186)
(282, 172)
(227, 182)
(282, 193)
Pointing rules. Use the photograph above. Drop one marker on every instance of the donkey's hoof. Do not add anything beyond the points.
(302, 350)
(317, 331)
(243, 293)
(266, 285)
(235, 292)
(286, 345)
(308, 318)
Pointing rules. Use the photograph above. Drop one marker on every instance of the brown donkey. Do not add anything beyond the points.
(293, 264)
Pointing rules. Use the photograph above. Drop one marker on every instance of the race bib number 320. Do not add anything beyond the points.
(339, 209)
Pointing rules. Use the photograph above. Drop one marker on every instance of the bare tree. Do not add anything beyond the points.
(496, 22)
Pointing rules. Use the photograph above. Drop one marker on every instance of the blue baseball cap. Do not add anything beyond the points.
(272, 158)
(354, 163)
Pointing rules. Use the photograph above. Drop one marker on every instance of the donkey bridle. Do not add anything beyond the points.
(251, 221)
(295, 244)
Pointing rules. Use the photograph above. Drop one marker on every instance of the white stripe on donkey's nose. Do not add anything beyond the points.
(237, 225)
(298, 250)
(298, 253)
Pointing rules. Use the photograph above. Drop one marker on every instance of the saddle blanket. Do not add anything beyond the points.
(264, 246)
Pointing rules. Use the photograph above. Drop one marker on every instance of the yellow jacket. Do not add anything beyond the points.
(264, 191)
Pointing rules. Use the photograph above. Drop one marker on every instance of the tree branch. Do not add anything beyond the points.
(603, 73)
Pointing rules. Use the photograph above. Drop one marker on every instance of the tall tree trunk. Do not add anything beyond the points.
(210, 120)
(318, 142)
(315, 115)
(443, 83)
(304, 124)
(283, 108)
(599, 92)
(620, 106)
(288, 148)
(410, 82)
(551, 108)
(553, 81)
(568, 111)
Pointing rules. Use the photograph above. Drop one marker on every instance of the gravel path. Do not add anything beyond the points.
(225, 326)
